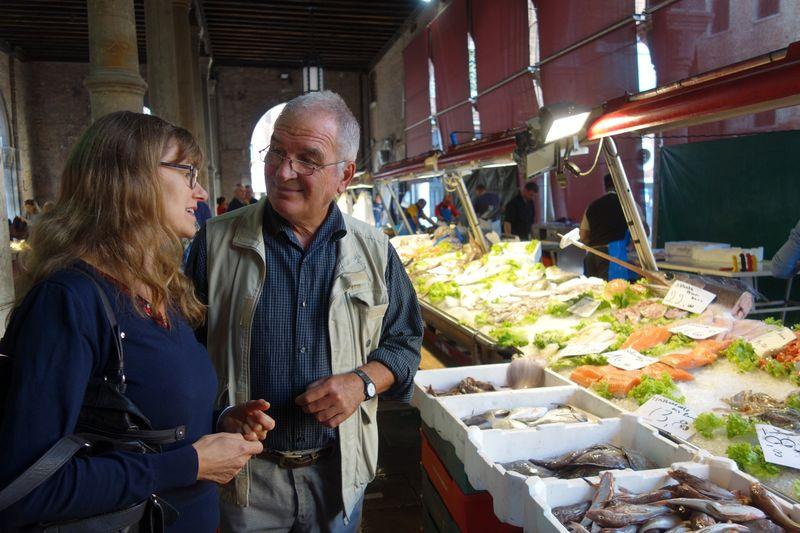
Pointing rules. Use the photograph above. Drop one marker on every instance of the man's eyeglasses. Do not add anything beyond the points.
(275, 158)
(191, 171)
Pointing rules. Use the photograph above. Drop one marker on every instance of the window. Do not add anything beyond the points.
(721, 13)
(473, 85)
(768, 8)
(436, 137)
(764, 119)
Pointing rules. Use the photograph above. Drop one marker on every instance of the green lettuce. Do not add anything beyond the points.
(738, 426)
(742, 355)
(439, 290)
(649, 387)
(602, 389)
(751, 459)
(580, 360)
(558, 309)
(675, 342)
(506, 336)
(540, 340)
(707, 423)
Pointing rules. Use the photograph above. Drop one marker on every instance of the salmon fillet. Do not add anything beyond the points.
(647, 337)
(657, 369)
(620, 384)
(704, 353)
(587, 375)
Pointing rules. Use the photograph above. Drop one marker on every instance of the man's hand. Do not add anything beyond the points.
(248, 419)
(332, 399)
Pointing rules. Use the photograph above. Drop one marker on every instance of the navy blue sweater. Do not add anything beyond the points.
(58, 338)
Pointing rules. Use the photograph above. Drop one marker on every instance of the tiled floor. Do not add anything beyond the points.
(392, 503)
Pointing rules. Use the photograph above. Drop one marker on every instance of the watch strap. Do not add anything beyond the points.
(367, 382)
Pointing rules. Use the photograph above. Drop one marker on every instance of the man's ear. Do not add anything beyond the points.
(347, 176)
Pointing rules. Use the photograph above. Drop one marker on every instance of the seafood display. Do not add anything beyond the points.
(584, 463)
(528, 417)
(467, 385)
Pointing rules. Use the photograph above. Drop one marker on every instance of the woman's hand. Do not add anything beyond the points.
(221, 456)
(248, 419)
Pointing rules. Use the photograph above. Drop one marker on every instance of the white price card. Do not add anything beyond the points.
(629, 359)
(780, 446)
(773, 341)
(584, 348)
(584, 307)
(688, 297)
(698, 331)
(669, 416)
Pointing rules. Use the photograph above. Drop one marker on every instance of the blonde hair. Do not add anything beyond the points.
(110, 211)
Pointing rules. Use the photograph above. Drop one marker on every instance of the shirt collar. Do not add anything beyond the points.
(332, 229)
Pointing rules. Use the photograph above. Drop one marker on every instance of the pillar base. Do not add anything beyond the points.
(115, 90)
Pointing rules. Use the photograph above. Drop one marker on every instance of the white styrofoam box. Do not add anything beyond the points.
(452, 429)
(484, 450)
(544, 496)
(442, 379)
(683, 249)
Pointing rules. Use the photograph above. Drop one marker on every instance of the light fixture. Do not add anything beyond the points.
(559, 121)
(312, 75)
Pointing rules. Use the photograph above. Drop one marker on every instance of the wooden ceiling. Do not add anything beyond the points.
(344, 34)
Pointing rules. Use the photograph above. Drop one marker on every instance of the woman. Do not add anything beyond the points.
(128, 194)
(32, 212)
(222, 205)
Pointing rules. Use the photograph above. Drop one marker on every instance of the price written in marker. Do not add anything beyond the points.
(584, 307)
(629, 359)
(688, 297)
(669, 416)
(780, 447)
(697, 331)
(584, 348)
(772, 342)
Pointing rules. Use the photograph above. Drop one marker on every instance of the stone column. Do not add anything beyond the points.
(184, 58)
(198, 73)
(213, 136)
(161, 63)
(113, 82)
(210, 152)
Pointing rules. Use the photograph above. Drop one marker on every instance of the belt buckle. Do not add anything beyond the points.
(297, 460)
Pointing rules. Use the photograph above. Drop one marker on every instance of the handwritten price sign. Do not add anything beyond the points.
(780, 447)
(584, 348)
(629, 359)
(669, 416)
(688, 297)
(773, 341)
(697, 331)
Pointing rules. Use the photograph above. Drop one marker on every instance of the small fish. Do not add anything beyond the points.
(682, 490)
(604, 492)
(565, 414)
(577, 528)
(571, 513)
(683, 527)
(763, 526)
(660, 523)
(719, 510)
(632, 528)
(625, 514)
(527, 468)
(723, 527)
(703, 486)
(786, 418)
(699, 520)
(646, 497)
(773, 509)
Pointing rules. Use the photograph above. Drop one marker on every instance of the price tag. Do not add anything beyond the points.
(629, 359)
(780, 447)
(584, 348)
(688, 297)
(584, 307)
(669, 416)
(773, 341)
(698, 331)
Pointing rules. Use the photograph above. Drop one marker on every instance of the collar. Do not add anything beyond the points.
(332, 229)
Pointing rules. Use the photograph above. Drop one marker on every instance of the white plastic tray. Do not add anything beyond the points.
(484, 451)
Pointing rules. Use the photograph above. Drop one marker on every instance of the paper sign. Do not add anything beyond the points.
(688, 297)
(772, 341)
(584, 348)
(570, 238)
(584, 307)
(697, 331)
(669, 416)
(780, 447)
(629, 359)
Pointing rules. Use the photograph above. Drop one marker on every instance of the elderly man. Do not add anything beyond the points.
(239, 199)
(313, 311)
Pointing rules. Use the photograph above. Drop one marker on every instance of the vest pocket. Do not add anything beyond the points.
(368, 435)
(368, 309)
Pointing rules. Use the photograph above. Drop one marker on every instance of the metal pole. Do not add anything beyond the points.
(399, 209)
(457, 183)
(632, 217)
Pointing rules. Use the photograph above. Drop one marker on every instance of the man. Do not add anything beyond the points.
(238, 198)
(414, 212)
(249, 195)
(603, 223)
(520, 213)
(487, 207)
(312, 310)
(446, 209)
(786, 261)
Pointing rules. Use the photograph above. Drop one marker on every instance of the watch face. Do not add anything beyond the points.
(371, 390)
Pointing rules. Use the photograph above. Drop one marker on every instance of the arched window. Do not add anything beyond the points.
(8, 165)
(258, 141)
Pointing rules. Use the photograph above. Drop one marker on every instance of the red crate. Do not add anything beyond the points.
(471, 512)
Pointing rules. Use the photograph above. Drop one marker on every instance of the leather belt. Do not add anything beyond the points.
(295, 459)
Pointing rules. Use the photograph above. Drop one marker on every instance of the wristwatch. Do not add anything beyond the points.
(369, 386)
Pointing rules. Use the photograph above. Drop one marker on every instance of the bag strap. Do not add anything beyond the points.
(116, 521)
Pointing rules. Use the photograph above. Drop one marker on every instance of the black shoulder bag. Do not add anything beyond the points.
(108, 421)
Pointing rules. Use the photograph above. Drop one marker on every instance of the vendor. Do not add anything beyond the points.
(520, 213)
(414, 212)
(446, 209)
(786, 262)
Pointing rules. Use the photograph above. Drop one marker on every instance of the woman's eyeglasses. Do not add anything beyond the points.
(191, 171)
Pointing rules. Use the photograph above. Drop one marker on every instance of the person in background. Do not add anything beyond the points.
(786, 261)
(238, 198)
(283, 337)
(203, 212)
(519, 214)
(414, 212)
(59, 338)
(446, 209)
(378, 211)
(249, 195)
(32, 212)
(47, 207)
(603, 223)
(222, 205)
(487, 204)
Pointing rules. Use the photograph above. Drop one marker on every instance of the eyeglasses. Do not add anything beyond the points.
(191, 171)
(274, 158)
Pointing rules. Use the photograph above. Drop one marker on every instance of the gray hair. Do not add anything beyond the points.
(349, 132)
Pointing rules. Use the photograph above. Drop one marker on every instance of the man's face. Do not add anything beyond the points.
(310, 137)
(528, 194)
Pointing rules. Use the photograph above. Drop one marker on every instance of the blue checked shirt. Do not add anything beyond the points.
(290, 341)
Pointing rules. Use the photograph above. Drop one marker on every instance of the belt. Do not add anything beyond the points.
(295, 459)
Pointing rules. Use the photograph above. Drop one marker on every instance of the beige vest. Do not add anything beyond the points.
(358, 300)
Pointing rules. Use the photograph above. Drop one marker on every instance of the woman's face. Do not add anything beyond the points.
(180, 202)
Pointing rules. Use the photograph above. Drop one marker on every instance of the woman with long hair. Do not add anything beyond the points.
(128, 194)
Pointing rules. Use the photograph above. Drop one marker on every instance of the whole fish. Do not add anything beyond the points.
(684, 527)
(565, 414)
(723, 527)
(682, 490)
(763, 526)
(577, 528)
(571, 513)
(787, 417)
(773, 509)
(719, 510)
(645, 497)
(632, 528)
(527, 468)
(703, 486)
(604, 492)
(660, 523)
(625, 514)
(699, 520)
(584, 471)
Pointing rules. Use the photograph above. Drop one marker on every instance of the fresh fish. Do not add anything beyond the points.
(763, 526)
(508, 423)
(684, 527)
(719, 510)
(723, 527)
(682, 490)
(673, 313)
(660, 523)
(699, 520)
(752, 403)
(527, 468)
(602, 456)
(604, 492)
(786, 417)
(646, 497)
(773, 509)
(703, 486)
(467, 385)
(565, 414)
(517, 418)
(571, 513)
(581, 471)
(632, 528)
(625, 514)
(577, 528)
